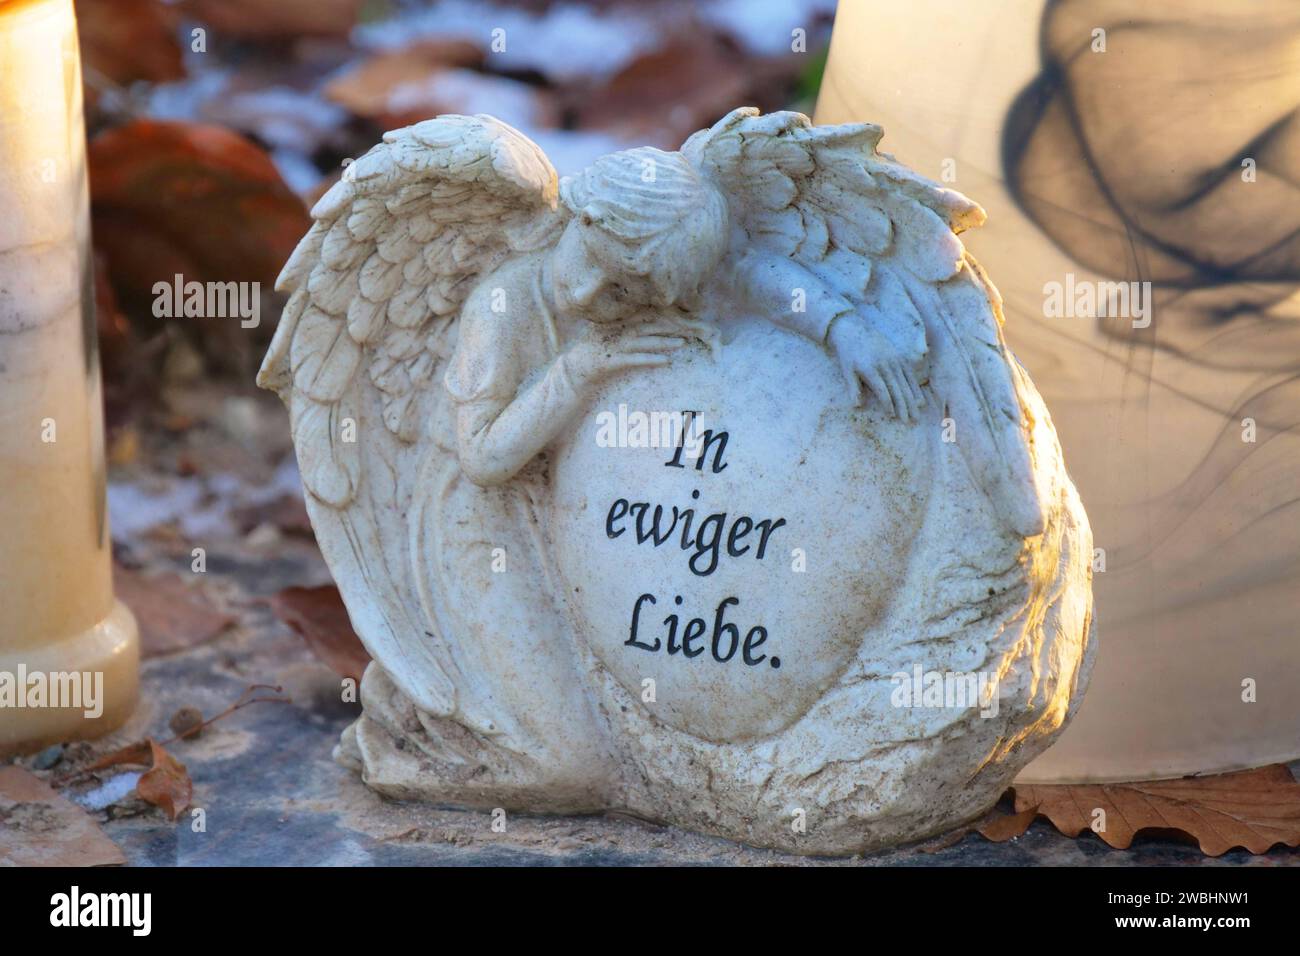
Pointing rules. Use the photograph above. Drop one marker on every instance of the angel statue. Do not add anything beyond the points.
(842, 615)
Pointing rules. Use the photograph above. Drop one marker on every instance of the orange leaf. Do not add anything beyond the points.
(1255, 809)
(186, 198)
(134, 753)
(320, 617)
(1001, 827)
(166, 784)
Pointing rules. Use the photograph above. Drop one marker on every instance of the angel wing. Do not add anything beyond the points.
(886, 239)
(376, 286)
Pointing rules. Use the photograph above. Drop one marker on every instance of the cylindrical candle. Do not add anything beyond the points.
(69, 653)
(1137, 161)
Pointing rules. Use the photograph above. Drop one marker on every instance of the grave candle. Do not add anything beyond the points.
(69, 653)
(1170, 374)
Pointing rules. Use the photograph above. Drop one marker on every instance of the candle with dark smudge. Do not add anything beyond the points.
(68, 649)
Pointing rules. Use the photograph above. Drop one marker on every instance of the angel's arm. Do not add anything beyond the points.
(498, 436)
(789, 294)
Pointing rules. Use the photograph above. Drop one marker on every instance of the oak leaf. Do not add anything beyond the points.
(1256, 809)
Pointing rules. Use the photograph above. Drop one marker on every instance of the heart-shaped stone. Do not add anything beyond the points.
(738, 565)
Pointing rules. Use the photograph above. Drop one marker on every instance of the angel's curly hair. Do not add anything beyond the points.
(661, 218)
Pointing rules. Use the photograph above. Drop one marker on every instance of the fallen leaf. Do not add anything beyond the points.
(166, 784)
(259, 19)
(320, 617)
(435, 90)
(1256, 809)
(38, 827)
(366, 88)
(123, 41)
(1000, 827)
(197, 201)
(133, 753)
(995, 826)
(667, 94)
(171, 614)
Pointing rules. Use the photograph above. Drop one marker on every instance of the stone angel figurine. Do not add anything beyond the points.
(835, 606)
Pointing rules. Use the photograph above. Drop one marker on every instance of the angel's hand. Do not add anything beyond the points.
(867, 355)
(598, 352)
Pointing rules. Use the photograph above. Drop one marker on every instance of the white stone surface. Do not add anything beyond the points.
(867, 498)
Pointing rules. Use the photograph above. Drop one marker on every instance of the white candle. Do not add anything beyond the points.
(69, 655)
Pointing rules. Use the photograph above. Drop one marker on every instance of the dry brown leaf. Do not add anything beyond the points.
(166, 784)
(1255, 809)
(392, 99)
(367, 88)
(1000, 827)
(260, 19)
(198, 201)
(123, 41)
(38, 827)
(171, 614)
(668, 93)
(320, 617)
(133, 753)
(995, 826)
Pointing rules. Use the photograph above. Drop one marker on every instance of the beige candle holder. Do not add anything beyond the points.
(69, 651)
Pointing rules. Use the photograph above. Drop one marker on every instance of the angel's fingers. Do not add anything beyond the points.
(903, 380)
(902, 400)
(854, 383)
(698, 327)
(915, 386)
(641, 360)
(651, 343)
(881, 392)
(663, 327)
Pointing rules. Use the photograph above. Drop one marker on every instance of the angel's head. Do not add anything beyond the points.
(646, 232)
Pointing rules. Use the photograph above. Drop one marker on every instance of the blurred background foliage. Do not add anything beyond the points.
(215, 124)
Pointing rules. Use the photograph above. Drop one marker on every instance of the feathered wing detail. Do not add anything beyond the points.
(376, 287)
(824, 197)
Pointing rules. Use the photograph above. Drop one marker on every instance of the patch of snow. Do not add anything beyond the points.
(183, 100)
(468, 92)
(109, 792)
(766, 28)
(281, 115)
(298, 172)
(572, 151)
(567, 41)
(198, 506)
